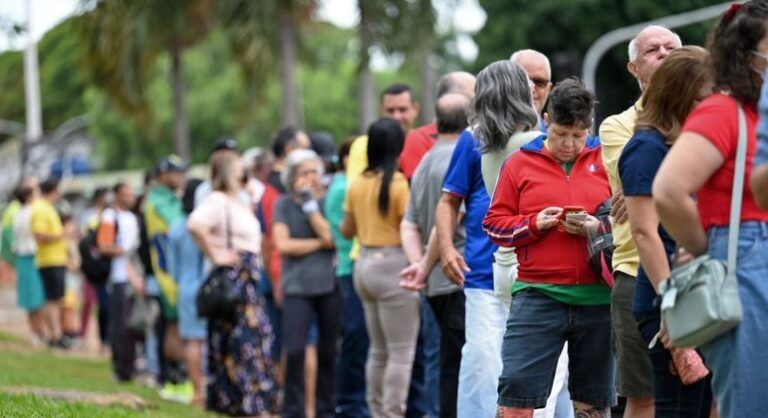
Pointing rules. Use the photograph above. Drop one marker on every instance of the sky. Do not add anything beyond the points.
(467, 17)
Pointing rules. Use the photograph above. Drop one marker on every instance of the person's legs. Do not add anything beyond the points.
(634, 377)
(424, 390)
(103, 316)
(737, 358)
(449, 312)
(193, 349)
(377, 351)
(297, 317)
(89, 301)
(592, 366)
(398, 313)
(672, 398)
(533, 341)
(485, 316)
(328, 312)
(123, 349)
(53, 285)
(354, 351)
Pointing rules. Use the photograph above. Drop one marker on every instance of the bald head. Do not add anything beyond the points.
(536, 65)
(456, 82)
(452, 113)
(647, 51)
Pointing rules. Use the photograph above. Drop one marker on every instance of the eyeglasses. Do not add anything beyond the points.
(540, 83)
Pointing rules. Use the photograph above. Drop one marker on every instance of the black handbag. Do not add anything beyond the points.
(217, 298)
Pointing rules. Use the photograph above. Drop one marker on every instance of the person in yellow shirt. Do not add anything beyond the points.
(634, 378)
(51, 257)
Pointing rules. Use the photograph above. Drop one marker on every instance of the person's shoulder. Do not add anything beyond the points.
(620, 123)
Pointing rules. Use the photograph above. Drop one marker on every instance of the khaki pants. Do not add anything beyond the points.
(392, 318)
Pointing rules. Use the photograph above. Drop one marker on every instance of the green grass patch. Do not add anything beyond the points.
(44, 369)
(11, 338)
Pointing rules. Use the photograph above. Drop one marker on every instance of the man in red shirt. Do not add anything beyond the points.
(420, 140)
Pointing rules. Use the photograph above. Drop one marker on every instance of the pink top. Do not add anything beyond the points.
(213, 212)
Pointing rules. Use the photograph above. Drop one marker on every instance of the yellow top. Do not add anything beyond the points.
(362, 201)
(45, 220)
(615, 132)
(357, 162)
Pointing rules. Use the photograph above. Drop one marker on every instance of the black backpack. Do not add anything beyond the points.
(95, 266)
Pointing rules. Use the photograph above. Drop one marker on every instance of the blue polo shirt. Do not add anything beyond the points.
(761, 155)
(465, 180)
(638, 165)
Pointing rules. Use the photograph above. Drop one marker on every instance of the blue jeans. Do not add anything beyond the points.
(671, 397)
(537, 329)
(424, 393)
(738, 359)
(350, 401)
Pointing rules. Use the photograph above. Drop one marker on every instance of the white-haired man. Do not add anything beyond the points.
(646, 53)
(539, 71)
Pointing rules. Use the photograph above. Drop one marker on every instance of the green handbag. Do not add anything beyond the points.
(700, 301)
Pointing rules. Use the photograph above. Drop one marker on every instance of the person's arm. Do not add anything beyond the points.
(311, 209)
(759, 183)
(348, 226)
(446, 219)
(293, 247)
(504, 223)
(106, 235)
(410, 236)
(689, 164)
(644, 223)
(40, 229)
(201, 232)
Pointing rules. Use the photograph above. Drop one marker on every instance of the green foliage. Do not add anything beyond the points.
(564, 30)
(61, 80)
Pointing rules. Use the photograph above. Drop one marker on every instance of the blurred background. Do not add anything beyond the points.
(122, 82)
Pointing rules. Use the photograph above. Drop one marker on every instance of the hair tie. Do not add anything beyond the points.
(731, 12)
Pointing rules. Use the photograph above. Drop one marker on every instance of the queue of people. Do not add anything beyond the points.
(457, 269)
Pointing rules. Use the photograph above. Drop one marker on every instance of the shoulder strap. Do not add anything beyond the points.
(229, 225)
(738, 192)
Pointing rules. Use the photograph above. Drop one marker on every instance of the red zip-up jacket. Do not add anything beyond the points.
(530, 181)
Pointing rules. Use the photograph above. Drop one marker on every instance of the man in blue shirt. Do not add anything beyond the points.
(485, 313)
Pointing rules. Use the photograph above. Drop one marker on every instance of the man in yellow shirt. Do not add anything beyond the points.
(51, 257)
(634, 381)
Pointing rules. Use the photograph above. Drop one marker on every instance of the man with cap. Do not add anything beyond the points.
(162, 211)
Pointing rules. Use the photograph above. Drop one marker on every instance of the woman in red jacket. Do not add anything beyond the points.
(542, 206)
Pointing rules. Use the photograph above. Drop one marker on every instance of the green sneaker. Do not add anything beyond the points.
(185, 392)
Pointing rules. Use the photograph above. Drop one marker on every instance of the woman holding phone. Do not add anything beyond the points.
(542, 206)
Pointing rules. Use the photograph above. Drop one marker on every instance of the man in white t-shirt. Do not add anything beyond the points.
(118, 237)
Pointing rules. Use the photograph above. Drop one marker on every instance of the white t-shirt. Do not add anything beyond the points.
(127, 239)
(24, 240)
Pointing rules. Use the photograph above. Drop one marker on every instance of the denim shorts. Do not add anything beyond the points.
(537, 329)
(738, 359)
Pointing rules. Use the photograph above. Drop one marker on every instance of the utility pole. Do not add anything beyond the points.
(32, 91)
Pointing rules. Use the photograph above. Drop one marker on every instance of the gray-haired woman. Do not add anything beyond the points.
(302, 236)
(504, 119)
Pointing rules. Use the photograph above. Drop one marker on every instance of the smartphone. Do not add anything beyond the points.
(573, 212)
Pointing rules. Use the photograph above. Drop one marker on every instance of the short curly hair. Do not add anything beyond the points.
(731, 44)
(571, 104)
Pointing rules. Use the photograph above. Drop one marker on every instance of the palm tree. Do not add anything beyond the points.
(123, 39)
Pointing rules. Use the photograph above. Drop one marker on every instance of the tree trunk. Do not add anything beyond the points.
(366, 94)
(181, 143)
(428, 80)
(289, 111)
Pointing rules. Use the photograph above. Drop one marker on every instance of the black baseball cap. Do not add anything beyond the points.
(171, 163)
(225, 144)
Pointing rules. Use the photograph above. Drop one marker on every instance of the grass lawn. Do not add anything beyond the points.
(20, 366)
